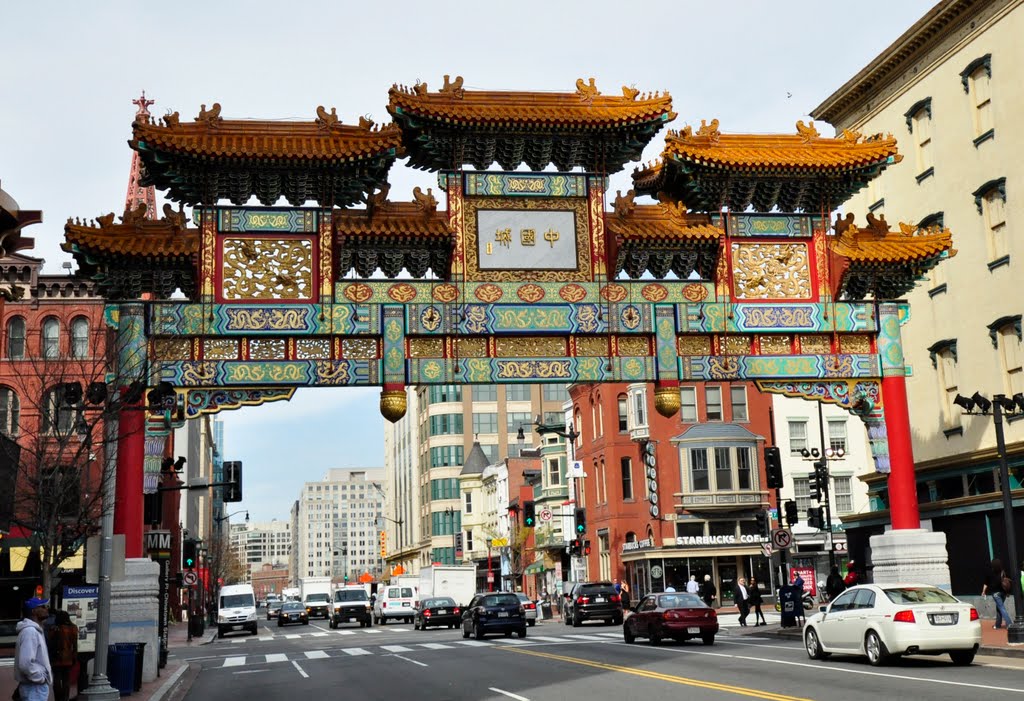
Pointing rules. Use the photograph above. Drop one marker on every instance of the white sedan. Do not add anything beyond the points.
(886, 620)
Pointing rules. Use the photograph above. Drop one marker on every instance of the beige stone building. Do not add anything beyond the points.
(949, 89)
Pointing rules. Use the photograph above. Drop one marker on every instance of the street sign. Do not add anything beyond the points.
(576, 468)
(782, 538)
(499, 542)
(767, 549)
(490, 578)
(546, 515)
(190, 579)
(839, 546)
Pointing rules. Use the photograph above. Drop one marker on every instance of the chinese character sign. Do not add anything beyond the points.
(526, 240)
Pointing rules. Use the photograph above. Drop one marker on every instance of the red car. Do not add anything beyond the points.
(678, 616)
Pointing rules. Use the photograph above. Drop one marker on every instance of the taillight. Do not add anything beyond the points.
(456, 609)
(531, 606)
(615, 598)
(583, 600)
(904, 617)
(670, 615)
(384, 605)
(426, 613)
(974, 614)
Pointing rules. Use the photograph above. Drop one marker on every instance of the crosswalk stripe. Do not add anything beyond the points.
(293, 636)
(473, 643)
(319, 635)
(316, 654)
(511, 641)
(277, 657)
(354, 651)
(234, 661)
(264, 639)
(546, 639)
(584, 637)
(396, 648)
(436, 646)
(240, 640)
(371, 630)
(345, 632)
(611, 635)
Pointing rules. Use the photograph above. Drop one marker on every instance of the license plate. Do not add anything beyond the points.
(599, 599)
(693, 631)
(442, 611)
(236, 627)
(942, 619)
(502, 614)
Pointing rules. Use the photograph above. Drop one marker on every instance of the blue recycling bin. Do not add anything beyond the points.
(789, 598)
(121, 667)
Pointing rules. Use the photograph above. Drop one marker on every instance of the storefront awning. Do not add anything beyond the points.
(535, 568)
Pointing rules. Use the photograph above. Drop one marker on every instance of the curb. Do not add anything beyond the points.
(989, 650)
(169, 684)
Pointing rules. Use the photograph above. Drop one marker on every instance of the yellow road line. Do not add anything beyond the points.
(742, 691)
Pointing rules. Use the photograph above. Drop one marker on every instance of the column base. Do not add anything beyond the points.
(135, 611)
(99, 689)
(911, 555)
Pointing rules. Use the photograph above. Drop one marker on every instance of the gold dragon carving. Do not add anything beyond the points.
(771, 271)
(267, 269)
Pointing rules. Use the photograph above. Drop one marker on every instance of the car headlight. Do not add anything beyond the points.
(251, 616)
(221, 618)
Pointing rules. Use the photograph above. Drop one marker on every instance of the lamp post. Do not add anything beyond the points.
(450, 513)
(1001, 404)
(570, 435)
(220, 519)
(490, 572)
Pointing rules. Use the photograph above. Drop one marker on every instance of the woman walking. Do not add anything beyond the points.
(994, 585)
(63, 648)
(754, 598)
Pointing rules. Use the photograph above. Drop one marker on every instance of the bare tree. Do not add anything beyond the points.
(223, 562)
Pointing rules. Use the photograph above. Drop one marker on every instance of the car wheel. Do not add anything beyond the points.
(617, 621)
(876, 651)
(305, 622)
(465, 631)
(477, 633)
(962, 658)
(708, 639)
(576, 621)
(279, 624)
(813, 645)
(268, 616)
(654, 637)
(628, 635)
(331, 624)
(521, 633)
(531, 623)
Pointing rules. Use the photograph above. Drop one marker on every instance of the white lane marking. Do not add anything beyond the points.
(239, 640)
(354, 651)
(251, 671)
(318, 627)
(585, 637)
(396, 648)
(371, 630)
(609, 635)
(413, 661)
(511, 641)
(293, 636)
(319, 635)
(264, 639)
(473, 643)
(316, 654)
(547, 639)
(234, 661)
(277, 657)
(301, 670)
(345, 632)
(435, 646)
(508, 693)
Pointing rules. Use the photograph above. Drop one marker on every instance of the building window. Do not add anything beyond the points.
(79, 337)
(554, 472)
(723, 469)
(797, 437)
(490, 451)
(16, 338)
(445, 523)
(837, 434)
(514, 420)
(626, 465)
(640, 408)
(10, 411)
(604, 556)
(446, 456)
(468, 499)
(555, 393)
(517, 393)
(699, 481)
(469, 541)
(744, 468)
(1006, 335)
(713, 398)
(444, 488)
(485, 423)
(623, 418)
(802, 493)
(923, 140)
(990, 200)
(943, 355)
(51, 338)
(57, 416)
(554, 418)
(738, 396)
(976, 79)
(445, 393)
(842, 490)
(485, 393)
(688, 405)
(446, 424)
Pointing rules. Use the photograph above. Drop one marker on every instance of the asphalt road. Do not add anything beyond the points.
(556, 662)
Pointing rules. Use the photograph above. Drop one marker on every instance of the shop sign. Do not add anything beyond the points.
(703, 541)
(638, 545)
(81, 605)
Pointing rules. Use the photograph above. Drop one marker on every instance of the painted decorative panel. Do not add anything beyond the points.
(313, 349)
(694, 345)
(172, 349)
(771, 271)
(591, 346)
(775, 345)
(471, 347)
(359, 348)
(279, 220)
(426, 348)
(220, 348)
(530, 347)
(267, 349)
(632, 345)
(738, 345)
(270, 269)
(815, 344)
(532, 185)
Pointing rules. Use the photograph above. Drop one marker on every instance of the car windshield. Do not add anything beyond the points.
(350, 595)
(680, 601)
(318, 597)
(592, 589)
(919, 595)
(501, 600)
(293, 606)
(233, 601)
(274, 604)
(442, 601)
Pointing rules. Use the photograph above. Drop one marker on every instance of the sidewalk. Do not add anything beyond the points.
(156, 690)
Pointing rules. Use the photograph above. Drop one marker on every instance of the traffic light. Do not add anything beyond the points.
(574, 547)
(188, 554)
(819, 480)
(71, 393)
(581, 520)
(773, 467)
(792, 515)
(233, 476)
(346, 579)
(529, 514)
(815, 519)
(815, 487)
(762, 524)
(586, 547)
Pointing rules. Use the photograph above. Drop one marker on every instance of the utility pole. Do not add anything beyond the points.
(825, 487)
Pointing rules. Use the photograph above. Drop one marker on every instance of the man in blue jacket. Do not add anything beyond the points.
(31, 661)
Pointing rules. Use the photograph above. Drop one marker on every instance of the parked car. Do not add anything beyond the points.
(494, 612)
(350, 604)
(273, 609)
(883, 621)
(530, 607)
(590, 600)
(439, 611)
(679, 616)
(293, 612)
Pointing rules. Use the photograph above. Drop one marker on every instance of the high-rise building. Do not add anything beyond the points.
(256, 544)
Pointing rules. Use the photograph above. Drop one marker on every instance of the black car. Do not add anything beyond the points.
(351, 605)
(494, 612)
(292, 612)
(591, 600)
(440, 611)
(273, 609)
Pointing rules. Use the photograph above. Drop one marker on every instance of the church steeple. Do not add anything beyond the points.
(137, 194)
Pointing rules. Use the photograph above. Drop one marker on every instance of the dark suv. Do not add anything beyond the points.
(589, 600)
(494, 612)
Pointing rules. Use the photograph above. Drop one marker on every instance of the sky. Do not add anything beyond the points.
(72, 69)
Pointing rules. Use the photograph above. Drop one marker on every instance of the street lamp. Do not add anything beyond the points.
(1001, 404)
(221, 519)
(490, 572)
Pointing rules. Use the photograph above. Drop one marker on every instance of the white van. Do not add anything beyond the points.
(395, 601)
(236, 609)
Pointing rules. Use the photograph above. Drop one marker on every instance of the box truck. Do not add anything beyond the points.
(316, 596)
(455, 581)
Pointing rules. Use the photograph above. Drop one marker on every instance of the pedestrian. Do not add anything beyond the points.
(31, 661)
(754, 597)
(624, 596)
(742, 598)
(834, 585)
(801, 596)
(692, 587)
(993, 586)
(851, 579)
(63, 646)
(669, 588)
(618, 587)
(708, 591)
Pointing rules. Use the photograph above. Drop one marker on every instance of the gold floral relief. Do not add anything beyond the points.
(737, 345)
(634, 345)
(172, 349)
(267, 268)
(359, 348)
(775, 345)
(313, 349)
(591, 347)
(694, 345)
(531, 347)
(426, 348)
(266, 349)
(856, 343)
(815, 345)
(471, 347)
(771, 271)
(220, 349)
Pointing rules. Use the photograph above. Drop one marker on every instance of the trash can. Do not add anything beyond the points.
(789, 598)
(121, 667)
(545, 610)
(140, 652)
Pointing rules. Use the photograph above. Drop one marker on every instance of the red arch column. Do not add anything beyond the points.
(903, 507)
(128, 512)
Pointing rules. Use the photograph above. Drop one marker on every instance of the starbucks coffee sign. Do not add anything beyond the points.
(703, 541)
(638, 545)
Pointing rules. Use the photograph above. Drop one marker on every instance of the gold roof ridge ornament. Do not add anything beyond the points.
(326, 120)
(210, 117)
(587, 91)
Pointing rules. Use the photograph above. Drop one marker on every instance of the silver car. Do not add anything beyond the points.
(529, 606)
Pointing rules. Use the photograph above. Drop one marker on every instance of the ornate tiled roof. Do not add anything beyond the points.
(804, 171)
(454, 126)
(213, 158)
(162, 238)
(414, 220)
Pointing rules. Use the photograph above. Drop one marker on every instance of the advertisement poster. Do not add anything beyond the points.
(80, 603)
(807, 573)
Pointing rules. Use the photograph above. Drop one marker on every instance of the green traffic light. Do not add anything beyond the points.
(579, 529)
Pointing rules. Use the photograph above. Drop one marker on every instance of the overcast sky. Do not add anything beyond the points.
(71, 70)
